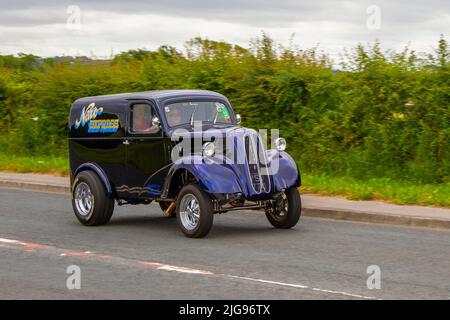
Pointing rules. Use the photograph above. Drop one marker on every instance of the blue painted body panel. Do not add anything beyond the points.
(215, 177)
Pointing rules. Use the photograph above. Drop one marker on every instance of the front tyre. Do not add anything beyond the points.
(194, 211)
(286, 210)
(91, 204)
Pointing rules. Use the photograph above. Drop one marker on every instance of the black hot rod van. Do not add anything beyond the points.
(138, 148)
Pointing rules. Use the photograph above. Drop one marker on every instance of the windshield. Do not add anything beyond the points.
(190, 111)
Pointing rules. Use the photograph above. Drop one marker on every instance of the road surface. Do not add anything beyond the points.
(141, 254)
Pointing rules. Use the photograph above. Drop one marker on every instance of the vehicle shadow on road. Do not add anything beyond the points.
(220, 229)
(139, 221)
(228, 231)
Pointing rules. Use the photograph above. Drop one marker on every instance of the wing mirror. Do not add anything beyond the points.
(238, 118)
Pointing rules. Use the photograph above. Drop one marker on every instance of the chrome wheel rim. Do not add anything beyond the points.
(83, 198)
(189, 212)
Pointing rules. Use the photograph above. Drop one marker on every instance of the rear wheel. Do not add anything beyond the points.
(286, 211)
(194, 211)
(90, 203)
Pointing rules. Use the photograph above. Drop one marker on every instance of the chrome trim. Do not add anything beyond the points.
(189, 212)
(84, 200)
(257, 154)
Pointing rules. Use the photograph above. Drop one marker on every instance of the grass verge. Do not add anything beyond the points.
(394, 191)
(39, 164)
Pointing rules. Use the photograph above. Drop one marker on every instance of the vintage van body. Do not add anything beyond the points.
(133, 148)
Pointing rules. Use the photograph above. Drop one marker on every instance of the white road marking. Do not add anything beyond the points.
(269, 282)
(285, 284)
(167, 267)
(9, 241)
(183, 269)
(345, 294)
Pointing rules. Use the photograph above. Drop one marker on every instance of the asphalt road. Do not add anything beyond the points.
(141, 254)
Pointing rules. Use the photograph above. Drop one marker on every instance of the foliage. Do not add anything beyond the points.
(381, 115)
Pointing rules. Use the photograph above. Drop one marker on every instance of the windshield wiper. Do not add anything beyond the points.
(192, 116)
(215, 117)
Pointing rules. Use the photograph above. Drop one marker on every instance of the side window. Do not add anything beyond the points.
(142, 115)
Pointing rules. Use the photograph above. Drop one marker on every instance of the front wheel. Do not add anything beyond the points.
(194, 211)
(286, 210)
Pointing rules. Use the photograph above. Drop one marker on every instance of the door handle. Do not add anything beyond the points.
(126, 142)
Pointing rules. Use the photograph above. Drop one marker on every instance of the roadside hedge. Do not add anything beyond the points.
(377, 114)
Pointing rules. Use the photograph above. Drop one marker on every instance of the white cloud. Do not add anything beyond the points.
(40, 28)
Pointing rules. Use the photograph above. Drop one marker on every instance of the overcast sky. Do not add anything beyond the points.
(51, 27)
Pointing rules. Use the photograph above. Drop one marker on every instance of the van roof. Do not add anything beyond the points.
(154, 95)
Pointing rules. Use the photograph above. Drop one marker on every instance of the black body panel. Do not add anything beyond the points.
(135, 164)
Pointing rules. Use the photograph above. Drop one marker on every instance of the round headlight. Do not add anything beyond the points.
(208, 149)
(280, 144)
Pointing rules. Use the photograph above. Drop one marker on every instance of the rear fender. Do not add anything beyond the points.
(100, 172)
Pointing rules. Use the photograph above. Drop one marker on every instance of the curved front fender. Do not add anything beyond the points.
(285, 174)
(214, 176)
(211, 174)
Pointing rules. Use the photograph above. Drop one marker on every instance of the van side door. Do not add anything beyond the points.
(145, 152)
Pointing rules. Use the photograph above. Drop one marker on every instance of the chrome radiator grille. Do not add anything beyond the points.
(257, 163)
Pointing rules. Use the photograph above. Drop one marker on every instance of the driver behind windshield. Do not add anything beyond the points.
(174, 116)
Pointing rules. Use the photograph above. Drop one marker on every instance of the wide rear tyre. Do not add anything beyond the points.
(194, 211)
(287, 211)
(90, 202)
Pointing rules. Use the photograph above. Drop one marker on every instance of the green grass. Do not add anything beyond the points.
(400, 192)
(39, 164)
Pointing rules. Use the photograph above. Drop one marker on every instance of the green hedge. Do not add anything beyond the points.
(379, 114)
